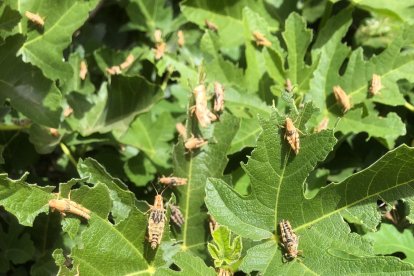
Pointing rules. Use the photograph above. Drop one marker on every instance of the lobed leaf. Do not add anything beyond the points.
(196, 166)
(45, 44)
(277, 182)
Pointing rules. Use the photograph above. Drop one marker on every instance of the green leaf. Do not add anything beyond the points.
(330, 53)
(269, 163)
(387, 129)
(123, 242)
(246, 107)
(388, 240)
(149, 15)
(122, 199)
(355, 81)
(24, 200)
(225, 250)
(255, 79)
(8, 20)
(19, 80)
(42, 138)
(151, 134)
(108, 110)
(218, 68)
(196, 166)
(140, 170)
(189, 265)
(44, 45)
(297, 38)
(390, 65)
(277, 182)
(401, 10)
(75, 83)
(227, 15)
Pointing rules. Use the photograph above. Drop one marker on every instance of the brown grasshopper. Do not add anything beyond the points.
(156, 221)
(68, 206)
(35, 18)
(194, 143)
(292, 135)
(261, 40)
(180, 38)
(342, 98)
(322, 125)
(83, 70)
(173, 181)
(203, 114)
(376, 85)
(290, 241)
(210, 25)
(219, 97)
(176, 215)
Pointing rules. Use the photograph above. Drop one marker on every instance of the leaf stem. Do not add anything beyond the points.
(5, 127)
(166, 78)
(409, 106)
(67, 152)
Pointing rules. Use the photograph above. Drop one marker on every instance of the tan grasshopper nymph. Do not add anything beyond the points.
(65, 205)
(173, 181)
(176, 215)
(156, 221)
(290, 241)
(376, 85)
(35, 18)
(292, 135)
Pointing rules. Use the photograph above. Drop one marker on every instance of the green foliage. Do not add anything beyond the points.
(225, 250)
(389, 240)
(104, 134)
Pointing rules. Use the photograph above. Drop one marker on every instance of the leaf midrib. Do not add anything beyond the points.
(282, 177)
(308, 224)
(187, 200)
(116, 230)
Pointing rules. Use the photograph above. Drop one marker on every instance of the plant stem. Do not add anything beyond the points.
(4, 127)
(67, 152)
(409, 106)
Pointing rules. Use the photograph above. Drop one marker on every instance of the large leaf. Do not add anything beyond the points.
(196, 166)
(389, 65)
(277, 181)
(401, 10)
(150, 134)
(386, 128)
(28, 90)
(115, 106)
(122, 241)
(44, 45)
(227, 15)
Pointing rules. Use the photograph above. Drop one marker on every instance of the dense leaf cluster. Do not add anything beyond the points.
(92, 92)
